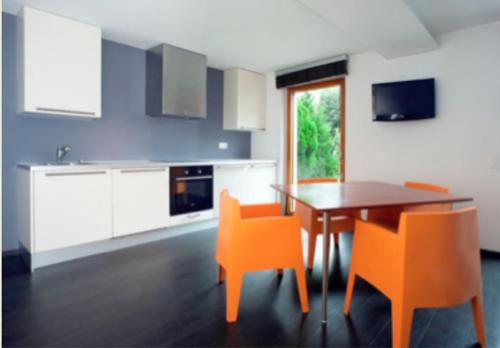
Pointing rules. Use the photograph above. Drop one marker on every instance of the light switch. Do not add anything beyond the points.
(223, 146)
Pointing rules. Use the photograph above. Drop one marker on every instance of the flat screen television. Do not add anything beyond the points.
(403, 100)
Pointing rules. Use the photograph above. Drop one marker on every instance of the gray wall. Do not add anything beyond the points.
(123, 133)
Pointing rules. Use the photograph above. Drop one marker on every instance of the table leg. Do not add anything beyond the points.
(326, 251)
(284, 204)
(284, 212)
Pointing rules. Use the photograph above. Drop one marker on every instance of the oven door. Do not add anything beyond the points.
(191, 189)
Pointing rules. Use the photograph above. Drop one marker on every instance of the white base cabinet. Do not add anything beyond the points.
(140, 200)
(249, 183)
(71, 208)
(66, 207)
(258, 183)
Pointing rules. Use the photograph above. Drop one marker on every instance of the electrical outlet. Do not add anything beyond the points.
(223, 146)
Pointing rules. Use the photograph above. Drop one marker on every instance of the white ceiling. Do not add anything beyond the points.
(266, 35)
(444, 16)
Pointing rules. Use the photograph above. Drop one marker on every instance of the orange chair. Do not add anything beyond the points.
(391, 215)
(432, 260)
(255, 238)
(312, 222)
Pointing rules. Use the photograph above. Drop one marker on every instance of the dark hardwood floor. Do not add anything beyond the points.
(165, 294)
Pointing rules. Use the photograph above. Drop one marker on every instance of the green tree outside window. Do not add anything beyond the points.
(318, 133)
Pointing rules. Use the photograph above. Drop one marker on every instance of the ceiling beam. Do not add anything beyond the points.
(388, 27)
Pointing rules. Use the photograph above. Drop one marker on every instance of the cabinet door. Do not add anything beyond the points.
(140, 200)
(244, 100)
(259, 179)
(71, 208)
(232, 178)
(252, 101)
(60, 65)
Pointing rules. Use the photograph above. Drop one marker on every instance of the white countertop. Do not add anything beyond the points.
(92, 165)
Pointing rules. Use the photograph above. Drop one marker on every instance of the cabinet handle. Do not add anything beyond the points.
(76, 173)
(252, 128)
(153, 170)
(232, 166)
(271, 165)
(77, 112)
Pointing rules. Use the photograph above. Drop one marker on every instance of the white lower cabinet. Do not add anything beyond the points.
(140, 200)
(250, 183)
(229, 178)
(71, 208)
(59, 208)
(258, 183)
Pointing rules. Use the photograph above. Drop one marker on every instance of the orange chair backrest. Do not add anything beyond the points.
(441, 253)
(317, 180)
(229, 215)
(428, 187)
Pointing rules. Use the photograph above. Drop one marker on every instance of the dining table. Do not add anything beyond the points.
(345, 198)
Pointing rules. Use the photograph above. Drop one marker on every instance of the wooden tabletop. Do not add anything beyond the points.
(362, 195)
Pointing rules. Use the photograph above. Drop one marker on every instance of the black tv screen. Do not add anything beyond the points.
(403, 100)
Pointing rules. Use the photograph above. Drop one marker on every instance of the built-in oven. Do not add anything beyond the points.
(191, 189)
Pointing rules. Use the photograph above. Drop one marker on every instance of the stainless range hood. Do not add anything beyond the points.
(176, 82)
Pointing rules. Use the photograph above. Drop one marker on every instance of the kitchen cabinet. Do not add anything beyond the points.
(59, 65)
(70, 208)
(244, 100)
(250, 183)
(258, 181)
(140, 200)
(229, 177)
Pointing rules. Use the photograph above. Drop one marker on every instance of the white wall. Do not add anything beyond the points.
(270, 144)
(460, 148)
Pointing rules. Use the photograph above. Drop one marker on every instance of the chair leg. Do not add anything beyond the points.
(402, 317)
(221, 275)
(349, 291)
(477, 312)
(300, 275)
(336, 239)
(311, 248)
(233, 291)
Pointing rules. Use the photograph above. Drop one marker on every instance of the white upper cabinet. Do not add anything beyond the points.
(59, 65)
(244, 100)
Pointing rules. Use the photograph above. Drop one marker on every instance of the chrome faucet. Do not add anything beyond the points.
(61, 152)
